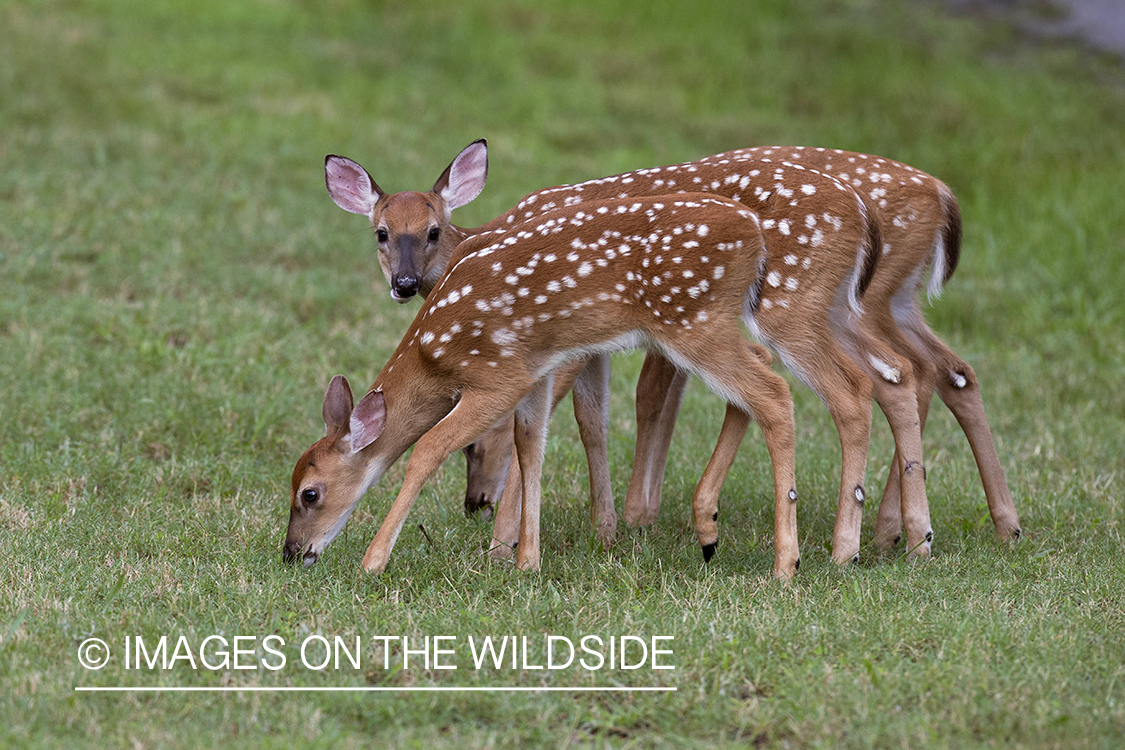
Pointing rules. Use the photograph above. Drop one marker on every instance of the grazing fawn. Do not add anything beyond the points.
(920, 224)
(676, 274)
(821, 242)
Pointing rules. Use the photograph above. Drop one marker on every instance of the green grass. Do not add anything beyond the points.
(176, 290)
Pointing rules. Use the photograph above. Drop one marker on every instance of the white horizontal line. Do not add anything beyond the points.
(292, 689)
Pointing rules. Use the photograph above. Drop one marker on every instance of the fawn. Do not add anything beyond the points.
(920, 225)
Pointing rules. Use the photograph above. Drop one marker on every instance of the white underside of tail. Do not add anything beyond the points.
(860, 262)
(937, 269)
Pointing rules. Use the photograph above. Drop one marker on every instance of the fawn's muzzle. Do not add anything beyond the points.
(294, 551)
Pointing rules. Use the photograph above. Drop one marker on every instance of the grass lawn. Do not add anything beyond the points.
(176, 290)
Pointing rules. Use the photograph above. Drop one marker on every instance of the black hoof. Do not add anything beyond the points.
(708, 551)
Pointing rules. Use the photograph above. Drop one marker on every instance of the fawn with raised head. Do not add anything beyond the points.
(412, 229)
(674, 274)
(920, 222)
(821, 247)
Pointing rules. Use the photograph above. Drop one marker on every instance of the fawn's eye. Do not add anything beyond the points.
(310, 496)
(381, 234)
(434, 234)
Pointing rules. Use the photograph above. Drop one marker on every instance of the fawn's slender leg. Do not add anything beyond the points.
(531, 441)
(896, 394)
(591, 412)
(452, 433)
(959, 388)
(705, 501)
(589, 381)
(846, 390)
(852, 417)
(757, 391)
(660, 391)
(888, 523)
(506, 526)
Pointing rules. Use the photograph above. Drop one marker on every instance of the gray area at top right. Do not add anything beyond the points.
(1098, 23)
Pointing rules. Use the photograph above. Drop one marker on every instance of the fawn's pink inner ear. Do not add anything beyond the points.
(349, 185)
(367, 420)
(467, 175)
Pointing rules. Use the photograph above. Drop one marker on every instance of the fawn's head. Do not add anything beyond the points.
(412, 229)
(330, 476)
(486, 463)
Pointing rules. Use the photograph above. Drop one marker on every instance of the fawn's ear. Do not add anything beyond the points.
(337, 405)
(465, 177)
(367, 420)
(349, 185)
